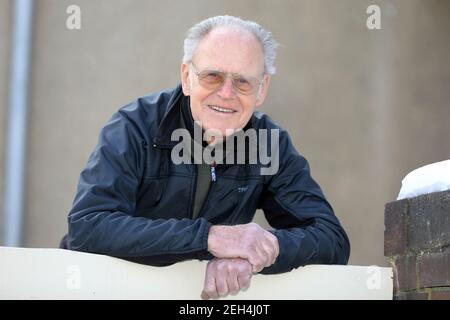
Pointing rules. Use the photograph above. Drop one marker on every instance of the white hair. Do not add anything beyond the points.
(201, 29)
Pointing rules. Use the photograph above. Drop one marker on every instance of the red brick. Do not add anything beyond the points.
(434, 269)
(429, 222)
(395, 227)
(412, 295)
(440, 294)
(405, 276)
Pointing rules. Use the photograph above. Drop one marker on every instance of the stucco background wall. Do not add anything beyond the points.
(365, 107)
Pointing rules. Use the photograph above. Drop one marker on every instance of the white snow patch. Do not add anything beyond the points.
(427, 179)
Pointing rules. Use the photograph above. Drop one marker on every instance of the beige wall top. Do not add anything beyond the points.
(63, 274)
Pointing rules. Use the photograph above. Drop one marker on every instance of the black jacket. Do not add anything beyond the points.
(134, 203)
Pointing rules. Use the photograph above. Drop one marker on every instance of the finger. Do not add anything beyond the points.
(256, 262)
(265, 253)
(233, 284)
(253, 258)
(209, 288)
(244, 281)
(269, 251)
(273, 243)
(221, 285)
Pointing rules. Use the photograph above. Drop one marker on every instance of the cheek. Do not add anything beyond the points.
(200, 95)
(248, 106)
(198, 99)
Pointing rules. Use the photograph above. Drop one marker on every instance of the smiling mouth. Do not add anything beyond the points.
(221, 109)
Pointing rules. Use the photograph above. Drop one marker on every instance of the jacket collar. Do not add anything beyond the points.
(171, 121)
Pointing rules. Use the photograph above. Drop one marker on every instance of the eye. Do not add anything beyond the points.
(212, 76)
(242, 81)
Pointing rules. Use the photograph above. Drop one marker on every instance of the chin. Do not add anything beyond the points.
(218, 126)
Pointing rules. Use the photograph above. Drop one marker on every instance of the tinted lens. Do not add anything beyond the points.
(211, 79)
(244, 85)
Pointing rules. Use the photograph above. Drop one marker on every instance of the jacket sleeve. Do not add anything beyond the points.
(308, 232)
(102, 219)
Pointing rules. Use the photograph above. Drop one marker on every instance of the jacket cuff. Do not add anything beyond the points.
(204, 254)
(283, 263)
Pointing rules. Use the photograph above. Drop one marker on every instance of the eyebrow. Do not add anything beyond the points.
(208, 68)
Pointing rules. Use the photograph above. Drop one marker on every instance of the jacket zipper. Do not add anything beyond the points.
(195, 190)
(213, 179)
(213, 171)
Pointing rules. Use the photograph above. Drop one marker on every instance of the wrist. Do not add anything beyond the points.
(214, 238)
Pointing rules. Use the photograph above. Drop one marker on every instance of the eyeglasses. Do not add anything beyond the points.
(214, 80)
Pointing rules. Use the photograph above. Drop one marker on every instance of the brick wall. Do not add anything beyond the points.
(417, 244)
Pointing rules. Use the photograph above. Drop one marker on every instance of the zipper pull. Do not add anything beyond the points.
(213, 172)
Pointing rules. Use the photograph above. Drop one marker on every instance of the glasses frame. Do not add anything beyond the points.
(231, 75)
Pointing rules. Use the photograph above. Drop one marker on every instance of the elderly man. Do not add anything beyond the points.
(135, 202)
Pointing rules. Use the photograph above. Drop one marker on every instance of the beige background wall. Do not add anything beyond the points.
(364, 107)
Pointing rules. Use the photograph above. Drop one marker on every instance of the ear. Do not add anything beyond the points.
(185, 83)
(263, 90)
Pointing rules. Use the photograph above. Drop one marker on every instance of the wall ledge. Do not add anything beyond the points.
(62, 274)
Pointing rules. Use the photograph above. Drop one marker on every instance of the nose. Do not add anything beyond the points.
(227, 89)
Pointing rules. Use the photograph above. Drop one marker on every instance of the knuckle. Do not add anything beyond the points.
(231, 268)
(254, 227)
(221, 267)
(242, 268)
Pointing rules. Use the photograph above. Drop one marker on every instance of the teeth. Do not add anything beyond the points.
(217, 108)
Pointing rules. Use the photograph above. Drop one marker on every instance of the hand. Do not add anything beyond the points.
(247, 241)
(224, 276)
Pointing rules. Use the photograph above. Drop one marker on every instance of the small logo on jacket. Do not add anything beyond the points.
(242, 189)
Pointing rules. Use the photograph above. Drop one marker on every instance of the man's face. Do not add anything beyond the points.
(232, 51)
